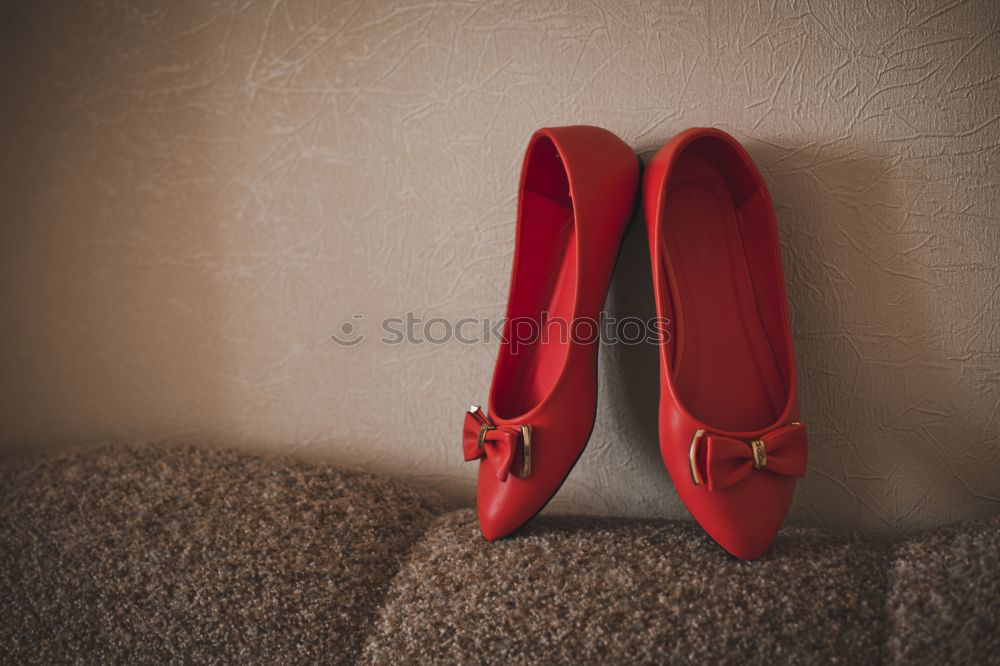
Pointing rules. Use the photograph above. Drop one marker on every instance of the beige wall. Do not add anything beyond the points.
(197, 194)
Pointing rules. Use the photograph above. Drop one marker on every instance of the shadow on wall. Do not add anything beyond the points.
(884, 373)
(637, 366)
(816, 191)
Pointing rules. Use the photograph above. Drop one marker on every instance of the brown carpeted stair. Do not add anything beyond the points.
(161, 553)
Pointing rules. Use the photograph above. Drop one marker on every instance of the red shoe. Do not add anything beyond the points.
(729, 430)
(578, 186)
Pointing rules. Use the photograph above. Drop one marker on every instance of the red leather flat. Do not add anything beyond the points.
(729, 418)
(578, 186)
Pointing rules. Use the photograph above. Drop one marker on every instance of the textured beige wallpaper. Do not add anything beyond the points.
(197, 194)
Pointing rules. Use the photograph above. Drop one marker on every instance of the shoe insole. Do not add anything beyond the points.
(542, 304)
(724, 365)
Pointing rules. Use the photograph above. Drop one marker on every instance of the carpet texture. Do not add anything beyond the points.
(599, 591)
(944, 602)
(158, 554)
(153, 554)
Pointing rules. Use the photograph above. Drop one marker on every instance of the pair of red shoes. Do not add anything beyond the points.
(728, 416)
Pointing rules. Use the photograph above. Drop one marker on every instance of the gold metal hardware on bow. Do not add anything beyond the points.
(695, 476)
(525, 442)
(486, 427)
(759, 454)
(525, 452)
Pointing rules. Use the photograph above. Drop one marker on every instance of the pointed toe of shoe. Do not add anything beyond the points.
(744, 520)
(501, 509)
(504, 506)
(496, 525)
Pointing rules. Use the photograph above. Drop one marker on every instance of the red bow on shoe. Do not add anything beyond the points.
(728, 461)
(499, 444)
